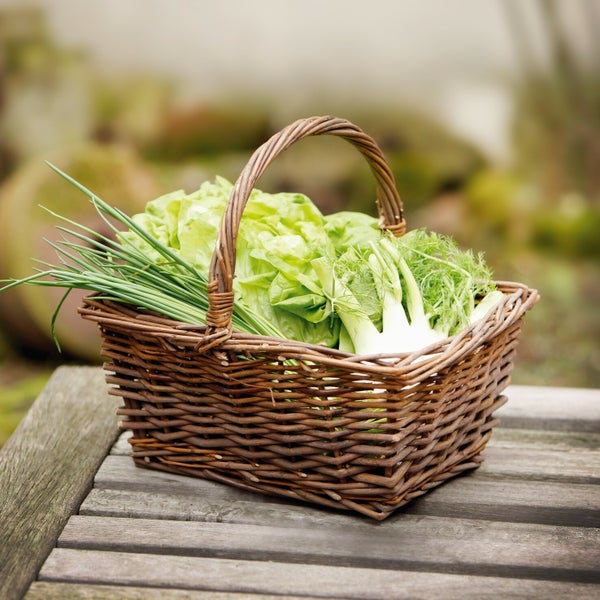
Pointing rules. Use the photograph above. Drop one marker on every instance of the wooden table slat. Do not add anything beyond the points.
(526, 524)
(474, 494)
(47, 467)
(564, 409)
(542, 465)
(416, 543)
(51, 590)
(271, 577)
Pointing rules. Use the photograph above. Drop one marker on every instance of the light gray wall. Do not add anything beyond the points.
(451, 57)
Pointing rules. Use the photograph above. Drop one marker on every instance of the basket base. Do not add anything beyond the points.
(378, 508)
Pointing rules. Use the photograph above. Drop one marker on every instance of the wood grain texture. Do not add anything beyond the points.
(541, 464)
(324, 581)
(561, 441)
(521, 501)
(556, 408)
(504, 496)
(527, 503)
(461, 546)
(47, 590)
(526, 524)
(47, 467)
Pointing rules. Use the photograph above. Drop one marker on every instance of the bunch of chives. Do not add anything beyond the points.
(116, 270)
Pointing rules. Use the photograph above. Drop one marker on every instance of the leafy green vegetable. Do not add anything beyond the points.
(425, 289)
(156, 278)
(333, 280)
(347, 229)
(279, 236)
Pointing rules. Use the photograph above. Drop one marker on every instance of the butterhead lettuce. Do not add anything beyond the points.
(279, 237)
(334, 280)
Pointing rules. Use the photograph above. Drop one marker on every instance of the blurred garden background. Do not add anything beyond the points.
(488, 112)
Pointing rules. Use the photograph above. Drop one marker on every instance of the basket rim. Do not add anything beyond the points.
(518, 299)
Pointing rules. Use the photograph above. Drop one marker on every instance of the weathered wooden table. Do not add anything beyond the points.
(79, 520)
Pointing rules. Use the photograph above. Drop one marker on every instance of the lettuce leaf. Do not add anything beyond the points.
(279, 236)
(347, 229)
(301, 270)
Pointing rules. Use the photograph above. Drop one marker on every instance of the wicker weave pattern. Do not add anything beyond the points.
(298, 420)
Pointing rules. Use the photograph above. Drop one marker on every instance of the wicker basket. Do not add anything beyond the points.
(292, 419)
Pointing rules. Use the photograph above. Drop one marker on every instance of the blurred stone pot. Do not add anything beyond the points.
(113, 173)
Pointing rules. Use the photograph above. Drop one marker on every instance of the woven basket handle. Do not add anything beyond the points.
(222, 268)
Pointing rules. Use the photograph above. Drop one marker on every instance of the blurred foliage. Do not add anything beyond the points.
(560, 343)
(537, 219)
(570, 233)
(44, 90)
(20, 382)
(543, 214)
(203, 131)
(26, 311)
(557, 121)
(425, 158)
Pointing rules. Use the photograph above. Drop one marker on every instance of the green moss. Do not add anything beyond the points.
(15, 400)
(572, 234)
